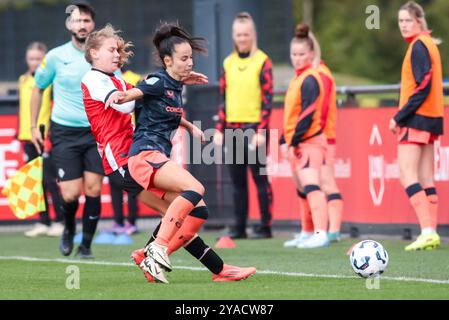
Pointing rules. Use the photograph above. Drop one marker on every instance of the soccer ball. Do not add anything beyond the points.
(368, 258)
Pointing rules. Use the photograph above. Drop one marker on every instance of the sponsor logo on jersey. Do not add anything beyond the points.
(173, 109)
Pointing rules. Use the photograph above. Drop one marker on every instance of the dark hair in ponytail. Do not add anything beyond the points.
(302, 34)
(168, 35)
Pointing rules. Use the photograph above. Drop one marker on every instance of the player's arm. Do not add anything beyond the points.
(195, 78)
(153, 86)
(221, 117)
(194, 130)
(422, 72)
(266, 84)
(310, 92)
(121, 97)
(43, 78)
(35, 107)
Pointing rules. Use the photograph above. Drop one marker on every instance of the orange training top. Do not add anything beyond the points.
(302, 108)
(329, 109)
(421, 100)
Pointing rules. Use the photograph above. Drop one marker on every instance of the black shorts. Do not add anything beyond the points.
(74, 151)
(122, 179)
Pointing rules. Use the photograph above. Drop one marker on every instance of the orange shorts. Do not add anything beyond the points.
(331, 151)
(144, 166)
(415, 136)
(310, 154)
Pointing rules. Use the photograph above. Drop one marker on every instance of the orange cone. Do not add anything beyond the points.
(225, 242)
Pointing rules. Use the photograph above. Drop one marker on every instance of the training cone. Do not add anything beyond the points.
(123, 239)
(104, 238)
(78, 237)
(225, 242)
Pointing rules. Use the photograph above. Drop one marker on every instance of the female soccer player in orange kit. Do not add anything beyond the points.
(328, 183)
(419, 121)
(303, 133)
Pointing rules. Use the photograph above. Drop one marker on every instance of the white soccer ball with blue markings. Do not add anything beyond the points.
(368, 258)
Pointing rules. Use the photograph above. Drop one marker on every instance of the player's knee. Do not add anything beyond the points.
(311, 188)
(92, 190)
(426, 179)
(407, 179)
(198, 188)
(192, 196)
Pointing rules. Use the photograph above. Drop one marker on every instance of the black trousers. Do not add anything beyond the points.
(239, 157)
(117, 204)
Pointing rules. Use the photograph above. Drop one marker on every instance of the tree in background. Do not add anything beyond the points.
(349, 47)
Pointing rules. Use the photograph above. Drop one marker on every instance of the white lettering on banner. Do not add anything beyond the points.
(342, 169)
(441, 162)
(8, 167)
(376, 169)
(375, 136)
(376, 173)
(391, 170)
(6, 132)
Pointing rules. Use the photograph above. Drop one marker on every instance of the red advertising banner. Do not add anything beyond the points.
(11, 158)
(366, 171)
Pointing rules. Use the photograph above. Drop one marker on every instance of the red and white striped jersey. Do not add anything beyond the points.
(112, 129)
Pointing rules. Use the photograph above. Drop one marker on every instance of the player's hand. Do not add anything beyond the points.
(198, 133)
(258, 140)
(294, 152)
(37, 139)
(393, 126)
(195, 78)
(218, 138)
(114, 98)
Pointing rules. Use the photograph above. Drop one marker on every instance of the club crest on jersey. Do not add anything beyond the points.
(170, 93)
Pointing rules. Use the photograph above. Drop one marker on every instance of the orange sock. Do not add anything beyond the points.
(192, 224)
(175, 215)
(306, 215)
(432, 196)
(318, 206)
(335, 208)
(419, 201)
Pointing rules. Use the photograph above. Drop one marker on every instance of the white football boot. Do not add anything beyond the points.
(159, 254)
(39, 229)
(317, 240)
(154, 269)
(299, 237)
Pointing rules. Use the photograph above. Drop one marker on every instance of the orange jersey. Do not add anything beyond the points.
(421, 100)
(302, 108)
(329, 110)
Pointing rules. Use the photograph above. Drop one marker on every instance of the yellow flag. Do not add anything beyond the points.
(24, 190)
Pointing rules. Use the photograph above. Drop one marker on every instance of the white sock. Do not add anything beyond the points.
(427, 231)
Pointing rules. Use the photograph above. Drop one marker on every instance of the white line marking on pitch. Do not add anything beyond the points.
(279, 273)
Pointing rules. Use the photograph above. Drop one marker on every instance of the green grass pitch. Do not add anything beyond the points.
(34, 269)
